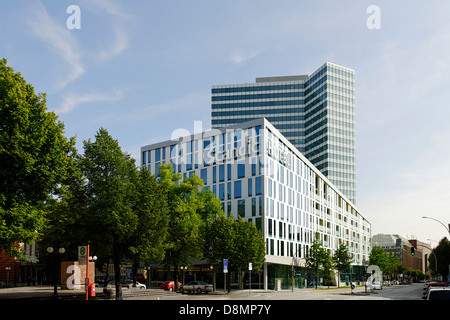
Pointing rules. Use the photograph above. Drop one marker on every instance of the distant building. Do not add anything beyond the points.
(402, 247)
(17, 272)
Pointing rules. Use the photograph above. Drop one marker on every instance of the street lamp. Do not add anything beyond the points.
(55, 282)
(8, 269)
(447, 228)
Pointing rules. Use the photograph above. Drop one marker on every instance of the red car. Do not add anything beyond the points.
(169, 285)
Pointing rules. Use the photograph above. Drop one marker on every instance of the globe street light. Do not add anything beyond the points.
(55, 283)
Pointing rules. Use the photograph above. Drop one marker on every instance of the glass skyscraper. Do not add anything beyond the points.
(315, 112)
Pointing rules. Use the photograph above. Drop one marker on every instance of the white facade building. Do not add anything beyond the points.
(259, 175)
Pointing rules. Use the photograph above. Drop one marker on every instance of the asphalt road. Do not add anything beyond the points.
(398, 292)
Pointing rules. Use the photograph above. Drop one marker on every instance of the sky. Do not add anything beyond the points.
(143, 69)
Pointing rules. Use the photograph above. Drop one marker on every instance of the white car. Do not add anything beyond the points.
(139, 285)
(438, 293)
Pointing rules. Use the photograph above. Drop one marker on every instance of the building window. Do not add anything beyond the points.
(241, 208)
(221, 172)
(250, 187)
(222, 191)
(204, 175)
(258, 186)
(241, 169)
(144, 157)
(237, 189)
(157, 155)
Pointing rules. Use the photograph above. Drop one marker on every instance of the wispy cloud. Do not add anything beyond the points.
(59, 39)
(118, 18)
(71, 101)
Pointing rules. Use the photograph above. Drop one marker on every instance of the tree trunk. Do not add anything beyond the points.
(117, 272)
(175, 267)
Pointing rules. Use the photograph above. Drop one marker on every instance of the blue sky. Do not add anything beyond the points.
(143, 69)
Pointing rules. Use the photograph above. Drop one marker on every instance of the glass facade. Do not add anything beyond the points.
(260, 176)
(316, 113)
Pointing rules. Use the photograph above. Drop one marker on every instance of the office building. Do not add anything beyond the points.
(315, 112)
(259, 175)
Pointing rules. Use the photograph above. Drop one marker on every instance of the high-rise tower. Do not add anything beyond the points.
(315, 112)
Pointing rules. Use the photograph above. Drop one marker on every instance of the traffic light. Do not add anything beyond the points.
(414, 247)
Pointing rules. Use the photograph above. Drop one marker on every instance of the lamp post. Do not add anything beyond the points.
(55, 280)
(446, 227)
(8, 269)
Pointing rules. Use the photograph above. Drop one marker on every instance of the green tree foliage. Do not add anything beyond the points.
(150, 206)
(342, 259)
(388, 263)
(316, 258)
(188, 203)
(238, 241)
(119, 209)
(248, 246)
(442, 252)
(35, 159)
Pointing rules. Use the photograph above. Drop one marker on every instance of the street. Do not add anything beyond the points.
(397, 292)
(240, 303)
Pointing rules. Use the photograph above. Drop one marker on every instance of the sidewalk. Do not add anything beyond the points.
(43, 292)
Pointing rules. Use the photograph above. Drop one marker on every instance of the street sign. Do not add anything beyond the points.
(250, 266)
(225, 265)
(82, 255)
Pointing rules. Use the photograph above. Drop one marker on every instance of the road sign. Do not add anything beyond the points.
(250, 267)
(82, 255)
(225, 265)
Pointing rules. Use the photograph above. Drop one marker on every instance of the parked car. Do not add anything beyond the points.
(196, 286)
(433, 285)
(438, 293)
(130, 283)
(169, 285)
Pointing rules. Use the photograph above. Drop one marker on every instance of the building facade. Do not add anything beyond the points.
(315, 112)
(260, 176)
(401, 247)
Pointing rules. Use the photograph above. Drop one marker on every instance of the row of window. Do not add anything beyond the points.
(294, 94)
(261, 113)
(296, 86)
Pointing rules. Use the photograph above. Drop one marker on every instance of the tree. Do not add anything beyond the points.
(342, 259)
(151, 208)
(218, 241)
(110, 193)
(328, 266)
(35, 160)
(392, 265)
(377, 257)
(185, 204)
(315, 258)
(248, 246)
(442, 252)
